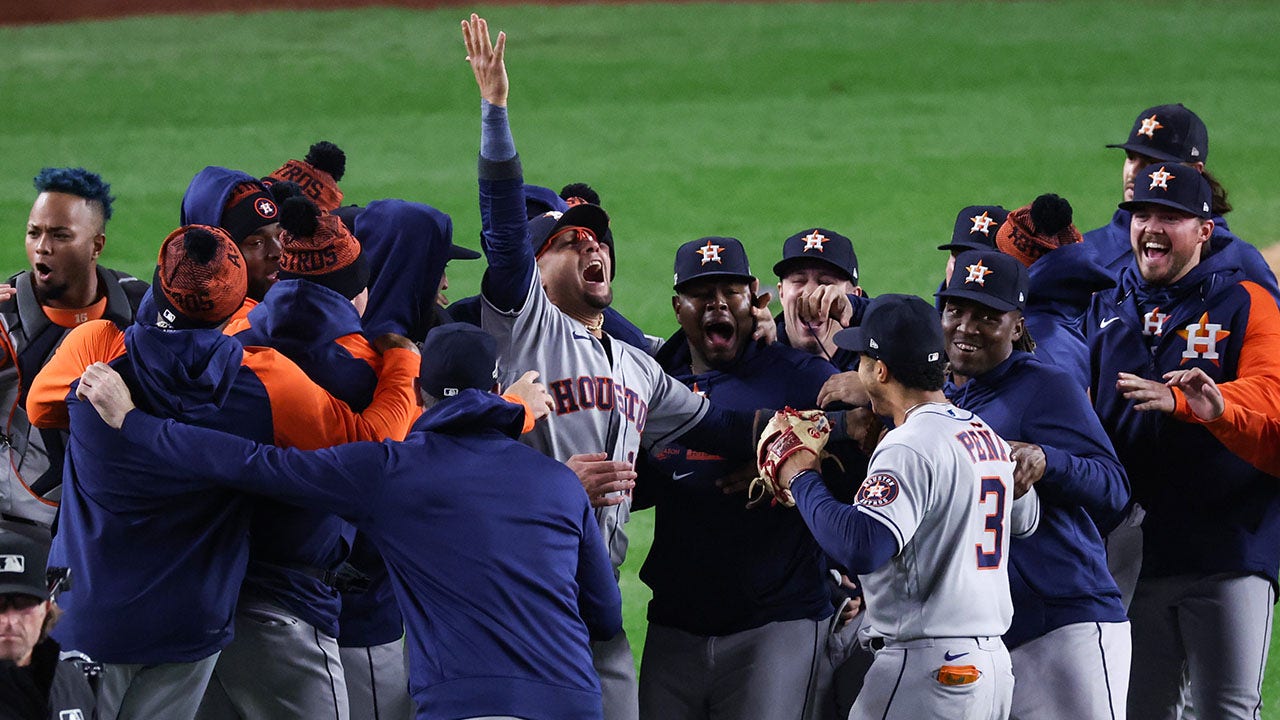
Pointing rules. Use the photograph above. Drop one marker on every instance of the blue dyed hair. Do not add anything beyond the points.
(78, 182)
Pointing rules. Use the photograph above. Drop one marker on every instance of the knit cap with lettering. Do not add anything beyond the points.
(201, 276)
(318, 247)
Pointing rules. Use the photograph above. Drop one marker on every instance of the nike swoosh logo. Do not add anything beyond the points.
(682, 476)
(949, 657)
(580, 337)
(1103, 325)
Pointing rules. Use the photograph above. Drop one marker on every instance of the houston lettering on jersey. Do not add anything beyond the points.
(598, 393)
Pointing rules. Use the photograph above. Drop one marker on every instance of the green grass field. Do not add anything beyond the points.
(753, 120)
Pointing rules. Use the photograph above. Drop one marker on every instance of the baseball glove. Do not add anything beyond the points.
(788, 432)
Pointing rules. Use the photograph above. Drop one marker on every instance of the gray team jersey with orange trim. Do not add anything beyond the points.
(605, 399)
(942, 483)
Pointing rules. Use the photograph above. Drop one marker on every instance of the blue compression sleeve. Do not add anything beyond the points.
(853, 539)
(496, 143)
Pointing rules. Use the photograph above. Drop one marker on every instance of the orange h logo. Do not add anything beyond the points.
(1202, 340)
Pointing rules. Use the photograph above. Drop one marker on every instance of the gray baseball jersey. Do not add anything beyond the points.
(942, 483)
(607, 395)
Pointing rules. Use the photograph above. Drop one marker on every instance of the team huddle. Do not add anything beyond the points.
(287, 479)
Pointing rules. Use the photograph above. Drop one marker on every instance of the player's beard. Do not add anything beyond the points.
(599, 302)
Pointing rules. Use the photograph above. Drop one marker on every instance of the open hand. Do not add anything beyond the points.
(103, 387)
(487, 59)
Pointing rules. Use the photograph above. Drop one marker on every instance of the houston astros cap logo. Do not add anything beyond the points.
(1149, 127)
(982, 223)
(710, 253)
(978, 273)
(265, 208)
(814, 241)
(1160, 179)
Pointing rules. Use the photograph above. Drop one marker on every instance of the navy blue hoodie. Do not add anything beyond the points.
(207, 194)
(503, 576)
(1060, 285)
(304, 321)
(1058, 575)
(157, 556)
(1207, 509)
(407, 245)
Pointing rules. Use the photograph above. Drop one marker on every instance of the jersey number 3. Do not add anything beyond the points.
(992, 498)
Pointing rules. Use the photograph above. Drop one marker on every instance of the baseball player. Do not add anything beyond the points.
(929, 533)
(65, 287)
(1069, 641)
(544, 293)
(819, 291)
(740, 607)
(158, 619)
(1173, 134)
(1211, 531)
(1062, 277)
(498, 624)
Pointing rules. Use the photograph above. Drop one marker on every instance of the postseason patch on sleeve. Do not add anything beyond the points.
(878, 490)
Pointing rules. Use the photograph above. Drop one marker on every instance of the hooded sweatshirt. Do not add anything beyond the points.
(1058, 574)
(407, 245)
(1060, 285)
(1207, 509)
(498, 624)
(160, 554)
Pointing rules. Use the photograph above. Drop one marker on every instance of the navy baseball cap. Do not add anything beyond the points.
(592, 217)
(1172, 185)
(711, 257)
(901, 330)
(1168, 132)
(820, 244)
(22, 565)
(988, 277)
(539, 200)
(456, 357)
(976, 227)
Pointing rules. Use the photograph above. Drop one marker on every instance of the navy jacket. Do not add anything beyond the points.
(158, 557)
(206, 195)
(304, 320)
(1207, 510)
(715, 567)
(1060, 285)
(1058, 575)
(1112, 249)
(503, 576)
(407, 246)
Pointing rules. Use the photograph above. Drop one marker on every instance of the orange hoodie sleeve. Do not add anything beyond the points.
(1249, 426)
(94, 341)
(360, 349)
(529, 419)
(305, 416)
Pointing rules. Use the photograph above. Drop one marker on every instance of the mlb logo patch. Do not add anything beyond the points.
(13, 564)
(74, 714)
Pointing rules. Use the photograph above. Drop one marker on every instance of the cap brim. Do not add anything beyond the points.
(1148, 151)
(980, 298)
(23, 589)
(592, 217)
(780, 267)
(966, 246)
(713, 274)
(1132, 205)
(457, 252)
(852, 339)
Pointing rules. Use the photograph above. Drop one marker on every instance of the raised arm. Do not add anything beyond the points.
(509, 277)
